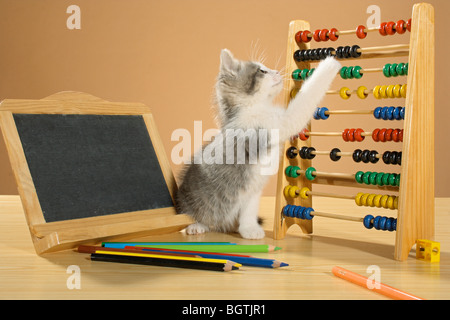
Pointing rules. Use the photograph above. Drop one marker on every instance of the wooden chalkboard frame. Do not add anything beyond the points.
(60, 235)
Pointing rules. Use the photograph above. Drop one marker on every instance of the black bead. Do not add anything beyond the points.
(307, 55)
(339, 52)
(330, 52)
(399, 158)
(346, 52)
(323, 53)
(298, 56)
(310, 156)
(292, 152)
(365, 156)
(302, 152)
(386, 157)
(357, 155)
(393, 157)
(373, 156)
(354, 51)
(333, 154)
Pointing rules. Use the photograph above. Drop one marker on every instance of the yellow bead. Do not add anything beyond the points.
(376, 92)
(293, 192)
(358, 198)
(390, 202)
(303, 193)
(294, 92)
(403, 91)
(364, 198)
(396, 90)
(344, 93)
(384, 200)
(390, 91)
(286, 191)
(383, 92)
(376, 200)
(361, 92)
(370, 200)
(396, 203)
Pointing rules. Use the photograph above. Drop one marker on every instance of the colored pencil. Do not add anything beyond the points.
(188, 251)
(378, 287)
(121, 245)
(148, 255)
(94, 249)
(201, 265)
(237, 248)
(245, 261)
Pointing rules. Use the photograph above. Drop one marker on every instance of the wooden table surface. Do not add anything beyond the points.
(24, 275)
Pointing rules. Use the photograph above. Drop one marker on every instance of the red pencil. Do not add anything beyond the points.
(94, 249)
(181, 251)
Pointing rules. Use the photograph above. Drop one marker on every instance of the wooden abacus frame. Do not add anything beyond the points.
(415, 217)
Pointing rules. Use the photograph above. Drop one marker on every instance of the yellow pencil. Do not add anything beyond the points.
(166, 257)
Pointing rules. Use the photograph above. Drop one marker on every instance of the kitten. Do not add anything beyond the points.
(222, 194)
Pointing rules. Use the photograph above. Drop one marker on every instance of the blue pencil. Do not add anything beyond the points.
(246, 261)
(122, 245)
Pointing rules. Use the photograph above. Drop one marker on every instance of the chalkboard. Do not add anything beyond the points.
(91, 165)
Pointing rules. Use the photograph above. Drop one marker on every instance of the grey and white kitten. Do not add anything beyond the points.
(223, 195)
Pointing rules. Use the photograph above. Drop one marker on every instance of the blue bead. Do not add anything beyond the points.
(402, 113)
(367, 221)
(397, 113)
(376, 222)
(383, 113)
(285, 209)
(300, 213)
(316, 114)
(389, 224)
(291, 211)
(297, 211)
(390, 113)
(307, 213)
(322, 113)
(394, 225)
(382, 223)
(377, 112)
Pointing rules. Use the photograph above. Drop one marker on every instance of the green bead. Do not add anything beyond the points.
(400, 69)
(296, 74)
(386, 70)
(293, 172)
(372, 178)
(310, 72)
(343, 72)
(392, 179)
(304, 73)
(380, 179)
(358, 176)
(288, 171)
(356, 72)
(405, 69)
(393, 70)
(386, 179)
(366, 177)
(308, 173)
(397, 180)
(349, 73)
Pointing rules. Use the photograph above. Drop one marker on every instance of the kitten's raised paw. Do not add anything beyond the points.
(252, 232)
(197, 228)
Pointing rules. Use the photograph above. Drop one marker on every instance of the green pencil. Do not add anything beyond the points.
(236, 248)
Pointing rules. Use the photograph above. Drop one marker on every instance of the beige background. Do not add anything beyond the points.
(166, 55)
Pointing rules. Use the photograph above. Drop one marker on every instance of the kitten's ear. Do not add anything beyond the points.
(227, 61)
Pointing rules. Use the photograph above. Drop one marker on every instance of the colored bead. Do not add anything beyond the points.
(390, 110)
(382, 29)
(332, 34)
(309, 173)
(383, 201)
(304, 36)
(309, 153)
(377, 200)
(349, 73)
(291, 152)
(366, 176)
(333, 154)
(377, 112)
(376, 92)
(343, 93)
(351, 135)
(379, 179)
(293, 172)
(307, 213)
(400, 69)
(385, 179)
(390, 93)
(373, 156)
(358, 136)
(322, 113)
(365, 156)
(361, 92)
(303, 193)
(316, 35)
(403, 91)
(293, 191)
(393, 70)
(358, 198)
(360, 32)
(311, 71)
(302, 152)
(294, 92)
(400, 26)
(383, 92)
(397, 180)
(390, 30)
(323, 34)
(298, 38)
(391, 179)
(316, 114)
(356, 156)
(288, 171)
(402, 113)
(356, 73)
(373, 178)
(405, 68)
(354, 51)
(368, 221)
(408, 25)
(343, 73)
(302, 134)
(286, 191)
(359, 176)
(296, 74)
(387, 70)
(375, 135)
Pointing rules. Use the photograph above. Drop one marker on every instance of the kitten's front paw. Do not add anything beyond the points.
(251, 232)
(196, 228)
(331, 65)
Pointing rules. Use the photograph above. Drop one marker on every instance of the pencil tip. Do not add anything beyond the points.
(282, 264)
(277, 248)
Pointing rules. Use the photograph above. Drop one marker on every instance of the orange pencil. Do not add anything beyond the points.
(383, 289)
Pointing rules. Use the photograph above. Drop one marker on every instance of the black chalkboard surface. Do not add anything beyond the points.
(91, 165)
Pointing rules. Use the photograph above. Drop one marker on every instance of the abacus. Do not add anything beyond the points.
(411, 139)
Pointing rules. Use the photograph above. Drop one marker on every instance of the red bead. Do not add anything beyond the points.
(390, 30)
(400, 26)
(382, 135)
(395, 135)
(304, 36)
(298, 38)
(389, 134)
(408, 25)
(400, 135)
(332, 35)
(351, 135)
(358, 136)
(323, 35)
(302, 134)
(383, 29)
(345, 135)
(360, 33)
(316, 35)
(375, 135)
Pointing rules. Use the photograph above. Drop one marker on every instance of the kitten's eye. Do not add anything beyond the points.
(262, 71)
